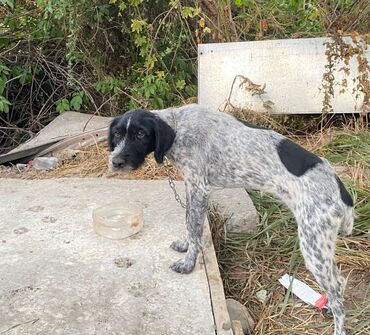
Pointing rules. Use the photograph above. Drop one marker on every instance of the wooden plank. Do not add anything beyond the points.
(220, 313)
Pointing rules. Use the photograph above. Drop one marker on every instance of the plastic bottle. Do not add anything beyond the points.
(45, 163)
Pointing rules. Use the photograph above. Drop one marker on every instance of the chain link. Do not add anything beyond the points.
(172, 184)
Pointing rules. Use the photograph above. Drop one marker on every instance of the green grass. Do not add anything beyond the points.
(349, 148)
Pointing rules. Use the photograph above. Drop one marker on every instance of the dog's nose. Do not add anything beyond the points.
(118, 162)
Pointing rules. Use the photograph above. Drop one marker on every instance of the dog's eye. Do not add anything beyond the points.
(140, 135)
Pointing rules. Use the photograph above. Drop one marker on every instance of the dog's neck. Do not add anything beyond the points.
(167, 115)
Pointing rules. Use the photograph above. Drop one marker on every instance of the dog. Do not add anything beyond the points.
(214, 149)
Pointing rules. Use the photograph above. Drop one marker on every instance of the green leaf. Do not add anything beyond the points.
(3, 68)
(10, 3)
(240, 3)
(22, 79)
(122, 6)
(187, 12)
(59, 108)
(137, 25)
(62, 106)
(140, 41)
(4, 104)
(2, 84)
(76, 102)
(135, 2)
(41, 3)
(207, 30)
(174, 3)
(158, 102)
(180, 84)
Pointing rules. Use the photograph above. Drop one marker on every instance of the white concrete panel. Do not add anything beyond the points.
(291, 71)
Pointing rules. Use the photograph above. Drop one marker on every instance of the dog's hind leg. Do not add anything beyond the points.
(317, 233)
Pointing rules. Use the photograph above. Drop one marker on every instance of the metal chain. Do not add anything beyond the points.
(172, 184)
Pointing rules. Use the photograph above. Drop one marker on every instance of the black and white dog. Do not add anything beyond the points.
(213, 149)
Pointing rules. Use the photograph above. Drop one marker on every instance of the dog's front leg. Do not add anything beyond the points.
(196, 206)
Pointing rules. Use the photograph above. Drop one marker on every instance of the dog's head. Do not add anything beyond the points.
(134, 135)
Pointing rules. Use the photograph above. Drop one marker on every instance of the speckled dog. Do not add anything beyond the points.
(213, 149)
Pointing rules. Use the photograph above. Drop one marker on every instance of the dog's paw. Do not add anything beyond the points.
(180, 245)
(181, 266)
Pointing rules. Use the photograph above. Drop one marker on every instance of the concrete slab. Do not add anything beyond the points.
(59, 277)
(292, 71)
(237, 208)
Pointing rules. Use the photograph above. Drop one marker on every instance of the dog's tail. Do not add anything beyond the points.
(346, 226)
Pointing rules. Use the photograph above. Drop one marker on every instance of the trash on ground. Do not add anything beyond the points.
(45, 163)
(261, 296)
(304, 292)
(117, 220)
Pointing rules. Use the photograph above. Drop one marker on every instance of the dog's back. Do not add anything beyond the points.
(240, 154)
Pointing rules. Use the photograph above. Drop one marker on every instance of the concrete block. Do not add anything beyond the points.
(291, 71)
(235, 205)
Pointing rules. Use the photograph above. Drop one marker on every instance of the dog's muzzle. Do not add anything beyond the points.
(119, 162)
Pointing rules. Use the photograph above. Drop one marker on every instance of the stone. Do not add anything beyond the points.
(236, 207)
(240, 313)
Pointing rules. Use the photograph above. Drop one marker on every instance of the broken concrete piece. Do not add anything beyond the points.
(66, 125)
(240, 313)
(235, 205)
(69, 130)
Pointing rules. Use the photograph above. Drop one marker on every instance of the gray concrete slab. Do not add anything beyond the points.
(57, 276)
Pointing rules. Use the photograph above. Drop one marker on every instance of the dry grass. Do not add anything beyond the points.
(92, 162)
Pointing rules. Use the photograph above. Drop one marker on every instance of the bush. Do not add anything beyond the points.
(105, 57)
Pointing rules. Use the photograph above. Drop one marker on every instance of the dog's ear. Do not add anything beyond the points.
(164, 137)
(111, 134)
